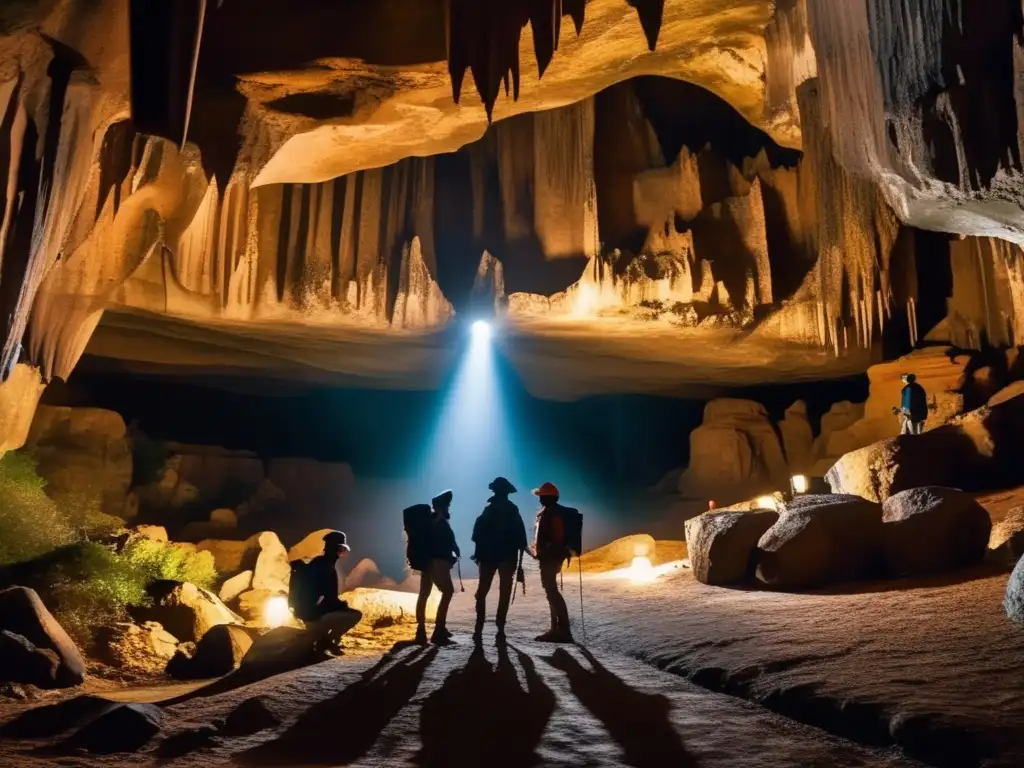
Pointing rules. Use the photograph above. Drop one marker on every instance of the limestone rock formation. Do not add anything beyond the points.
(23, 613)
(933, 529)
(235, 586)
(251, 716)
(311, 546)
(219, 651)
(797, 438)
(83, 455)
(821, 539)
(22, 662)
(618, 554)
(723, 545)
(185, 610)
(1014, 601)
(735, 452)
(119, 728)
(142, 648)
(271, 571)
(1007, 537)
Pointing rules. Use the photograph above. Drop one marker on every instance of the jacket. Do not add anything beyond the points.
(549, 534)
(499, 532)
(442, 541)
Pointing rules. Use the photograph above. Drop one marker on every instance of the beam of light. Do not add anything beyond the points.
(481, 331)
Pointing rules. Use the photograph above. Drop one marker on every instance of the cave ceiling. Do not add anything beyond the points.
(666, 196)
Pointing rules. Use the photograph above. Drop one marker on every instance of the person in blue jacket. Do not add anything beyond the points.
(913, 406)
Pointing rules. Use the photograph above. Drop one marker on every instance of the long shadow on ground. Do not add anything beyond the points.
(482, 715)
(363, 710)
(638, 721)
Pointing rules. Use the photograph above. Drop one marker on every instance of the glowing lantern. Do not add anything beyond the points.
(276, 611)
(641, 571)
(799, 483)
(766, 502)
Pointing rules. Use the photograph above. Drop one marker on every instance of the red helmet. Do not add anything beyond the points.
(548, 489)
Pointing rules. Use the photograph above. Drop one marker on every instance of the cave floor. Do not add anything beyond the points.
(675, 673)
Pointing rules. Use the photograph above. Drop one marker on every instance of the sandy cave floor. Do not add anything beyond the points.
(675, 674)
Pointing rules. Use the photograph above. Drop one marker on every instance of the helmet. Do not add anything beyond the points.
(501, 485)
(548, 489)
(336, 539)
(442, 499)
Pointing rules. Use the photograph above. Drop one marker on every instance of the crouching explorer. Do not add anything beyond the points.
(313, 596)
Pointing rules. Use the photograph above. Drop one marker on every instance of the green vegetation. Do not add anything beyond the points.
(53, 548)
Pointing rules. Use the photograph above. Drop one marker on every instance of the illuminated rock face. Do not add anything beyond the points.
(311, 198)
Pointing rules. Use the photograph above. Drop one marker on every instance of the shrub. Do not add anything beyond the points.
(157, 560)
(31, 524)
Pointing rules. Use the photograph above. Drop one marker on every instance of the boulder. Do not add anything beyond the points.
(229, 556)
(151, 532)
(23, 613)
(1007, 538)
(84, 455)
(365, 573)
(201, 530)
(272, 571)
(797, 438)
(267, 502)
(142, 648)
(19, 395)
(224, 517)
(734, 453)
(235, 586)
(722, 546)
(51, 720)
(251, 716)
(120, 728)
(185, 610)
(397, 606)
(218, 652)
(933, 529)
(219, 475)
(840, 416)
(22, 662)
(316, 490)
(1014, 600)
(822, 539)
(617, 554)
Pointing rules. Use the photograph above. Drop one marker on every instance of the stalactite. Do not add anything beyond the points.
(791, 61)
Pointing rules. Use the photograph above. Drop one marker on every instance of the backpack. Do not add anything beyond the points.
(417, 522)
(572, 520)
(301, 590)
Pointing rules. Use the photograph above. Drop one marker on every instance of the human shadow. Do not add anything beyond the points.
(365, 708)
(638, 721)
(482, 715)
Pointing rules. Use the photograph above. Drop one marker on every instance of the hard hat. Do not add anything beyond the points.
(337, 539)
(548, 489)
(502, 485)
(442, 499)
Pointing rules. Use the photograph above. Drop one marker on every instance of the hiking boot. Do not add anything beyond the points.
(443, 637)
(555, 636)
(443, 632)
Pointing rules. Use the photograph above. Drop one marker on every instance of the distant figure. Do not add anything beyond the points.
(444, 552)
(712, 506)
(551, 550)
(500, 538)
(313, 595)
(913, 406)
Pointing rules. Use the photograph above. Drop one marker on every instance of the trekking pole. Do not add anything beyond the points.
(583, 623)
(458, 566)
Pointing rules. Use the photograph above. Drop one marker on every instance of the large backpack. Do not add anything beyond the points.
(302, 597)
(573, 521)
(417, 522)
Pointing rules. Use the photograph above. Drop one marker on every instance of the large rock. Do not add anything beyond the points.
(365, 573)
(734, 453)
(617, 554)
(251, 716)
(230, 556)
(22, 662)
(142, 648)
(120, 728)
(185, 610)
(310, 546)
(251, 604)
(19, 396)
(1007, 537)
(218, 652)
(822, 539)
(933, 529)
(723, 545)
(23, 613)
(202, 530)
(84, 456)
(235, 586)
(797, 438)
(271, 571)
(1014, 600)
(219, 475)
(316, 490)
